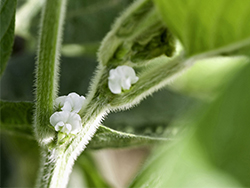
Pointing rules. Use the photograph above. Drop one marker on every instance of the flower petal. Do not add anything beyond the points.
(75, 121)
(72, 102)
(121, 78)
(67, 105)
(59, 125)
(68, 127)
(114, 86)
(134, 79)
(59, 116)
(59, 101)
(76, 101)
(67, 120)
(126, 83)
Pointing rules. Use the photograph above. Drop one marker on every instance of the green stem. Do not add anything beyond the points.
(46, 86)
(56, 166)
(58, 162)
(47, 67)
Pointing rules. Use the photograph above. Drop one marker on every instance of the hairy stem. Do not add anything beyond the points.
(58, 162)
(46, 86)
(55, 169)
(47, 67)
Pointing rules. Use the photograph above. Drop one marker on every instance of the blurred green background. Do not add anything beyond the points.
(87, 22)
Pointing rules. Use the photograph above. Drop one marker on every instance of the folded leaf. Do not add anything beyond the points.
(137, 36)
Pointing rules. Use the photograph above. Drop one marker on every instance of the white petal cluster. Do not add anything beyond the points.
(72, 103)
(68, 121)
(121, 78)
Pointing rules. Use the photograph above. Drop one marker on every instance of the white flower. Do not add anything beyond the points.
(121, 78)
(72, 103)
(66, 122)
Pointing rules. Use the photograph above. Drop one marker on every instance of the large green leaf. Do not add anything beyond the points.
(225, 130)
(207, 25)
(214, 151)
(16, 119)
(208, 77)
(7, 24)
(183, 164)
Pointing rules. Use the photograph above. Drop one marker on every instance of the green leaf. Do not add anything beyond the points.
(207, 25)
(7, 25)
(225, 129)
(109, 138)
(144, 124)
(208, 77)
(214, 149)
(182, 164)
(16, 118)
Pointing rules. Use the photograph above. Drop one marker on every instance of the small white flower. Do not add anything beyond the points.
(121, 78)
(66, 122)
(72, 103)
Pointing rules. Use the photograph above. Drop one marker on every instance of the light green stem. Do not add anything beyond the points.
(54, 172)
(58, 162)
(48, 66)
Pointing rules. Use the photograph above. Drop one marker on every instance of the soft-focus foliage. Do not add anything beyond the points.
(208, 25)
(202, 119)
(213, 151)
(7, 24)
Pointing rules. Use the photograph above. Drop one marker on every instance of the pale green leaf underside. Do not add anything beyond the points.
(7, 24)
(16, 119)
(106, 137)
(214, 151)
(207, 25)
